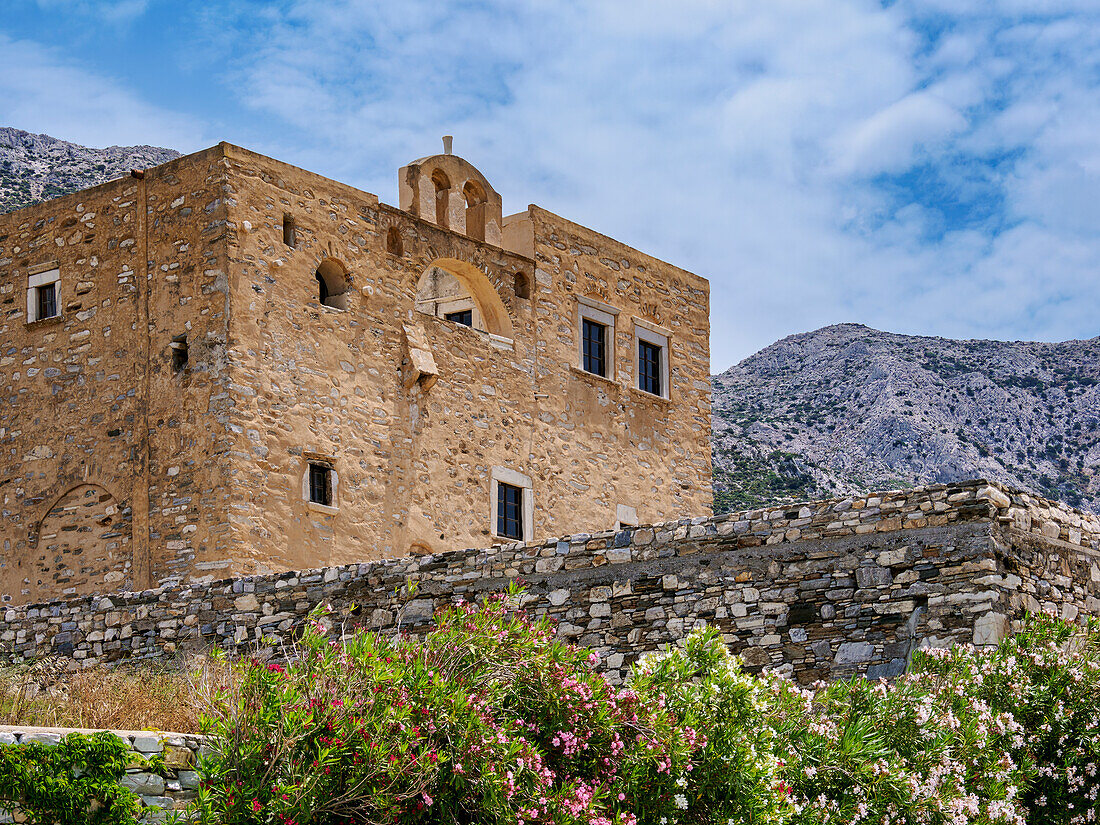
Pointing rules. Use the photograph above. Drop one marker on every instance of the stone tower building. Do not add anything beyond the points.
(227, 365)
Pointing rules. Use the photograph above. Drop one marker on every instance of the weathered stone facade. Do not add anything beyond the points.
(226, 320)
(825, 589)
(159, 793)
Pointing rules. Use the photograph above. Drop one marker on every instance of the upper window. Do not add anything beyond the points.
(43, 298)
(652, 360)
(290, 231)
(597, 337)
(593, 347)
(649, 367)
(462, 316)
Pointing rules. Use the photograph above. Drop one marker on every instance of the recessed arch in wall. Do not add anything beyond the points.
(83, 544)
(450, 286)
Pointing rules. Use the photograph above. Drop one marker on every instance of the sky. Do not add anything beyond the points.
(928, 168)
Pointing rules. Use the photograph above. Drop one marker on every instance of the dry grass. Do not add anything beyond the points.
(136, 697)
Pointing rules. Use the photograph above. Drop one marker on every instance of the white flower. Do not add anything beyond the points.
(680, 801)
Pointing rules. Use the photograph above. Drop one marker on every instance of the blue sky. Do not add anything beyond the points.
(921, 167)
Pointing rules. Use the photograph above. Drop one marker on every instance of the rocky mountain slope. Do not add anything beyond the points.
(850, 409)
(35, 168)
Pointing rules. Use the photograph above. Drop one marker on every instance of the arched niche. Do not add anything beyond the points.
(333, 283)
(449, 286)
(83, 545)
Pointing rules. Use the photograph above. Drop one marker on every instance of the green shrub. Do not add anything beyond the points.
(734, 776)
(76, 782)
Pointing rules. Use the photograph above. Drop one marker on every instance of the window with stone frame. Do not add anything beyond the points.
(596, 335)
(651, 360)
(43, 295)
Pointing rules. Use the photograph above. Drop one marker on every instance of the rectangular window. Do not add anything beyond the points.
(44, 295)
(320, 484)
(463, 316)
(509, 511)
(289, 231)
(596, 337)
(594, 347)
(649, 367)
(47, 301)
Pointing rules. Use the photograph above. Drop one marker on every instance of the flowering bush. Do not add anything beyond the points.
(870, 752)
(487, 719)
(1047, 680)
(734, 776)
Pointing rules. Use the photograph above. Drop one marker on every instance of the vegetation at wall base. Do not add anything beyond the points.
(489, 718)
(76, 782)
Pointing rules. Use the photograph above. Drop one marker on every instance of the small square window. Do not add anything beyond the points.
(463, 316)
(649, 367)
(44, 295)
(594, 347)
(509, 511)
(47, 301)
(320, 484)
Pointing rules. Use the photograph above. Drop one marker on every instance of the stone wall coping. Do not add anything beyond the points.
(883, 511)
(163, 736)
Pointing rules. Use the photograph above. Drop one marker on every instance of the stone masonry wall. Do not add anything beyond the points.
(91, 407)
(159, 794)
(823, 589)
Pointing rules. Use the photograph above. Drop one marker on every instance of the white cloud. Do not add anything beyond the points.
(41, 91)
(742, 140)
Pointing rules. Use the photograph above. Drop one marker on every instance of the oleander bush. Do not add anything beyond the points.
(487, 719)
(490, 719)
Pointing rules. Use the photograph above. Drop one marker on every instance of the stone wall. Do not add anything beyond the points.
(823, 589)
(159, 794)
(91, 403)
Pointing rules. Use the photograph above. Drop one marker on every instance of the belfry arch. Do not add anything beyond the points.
(448, 286)
(450, 192)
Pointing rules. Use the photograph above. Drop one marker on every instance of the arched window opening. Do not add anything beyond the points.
(475, 209)
(442, 196)
(332, 284)
(457, 291)
(441, 294)
(393, 242)
(522, 286)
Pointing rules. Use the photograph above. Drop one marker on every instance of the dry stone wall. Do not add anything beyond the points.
(822, 589)
(159, 794)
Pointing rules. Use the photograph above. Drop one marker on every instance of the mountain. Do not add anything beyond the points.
(35, 168)
(849, 409)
